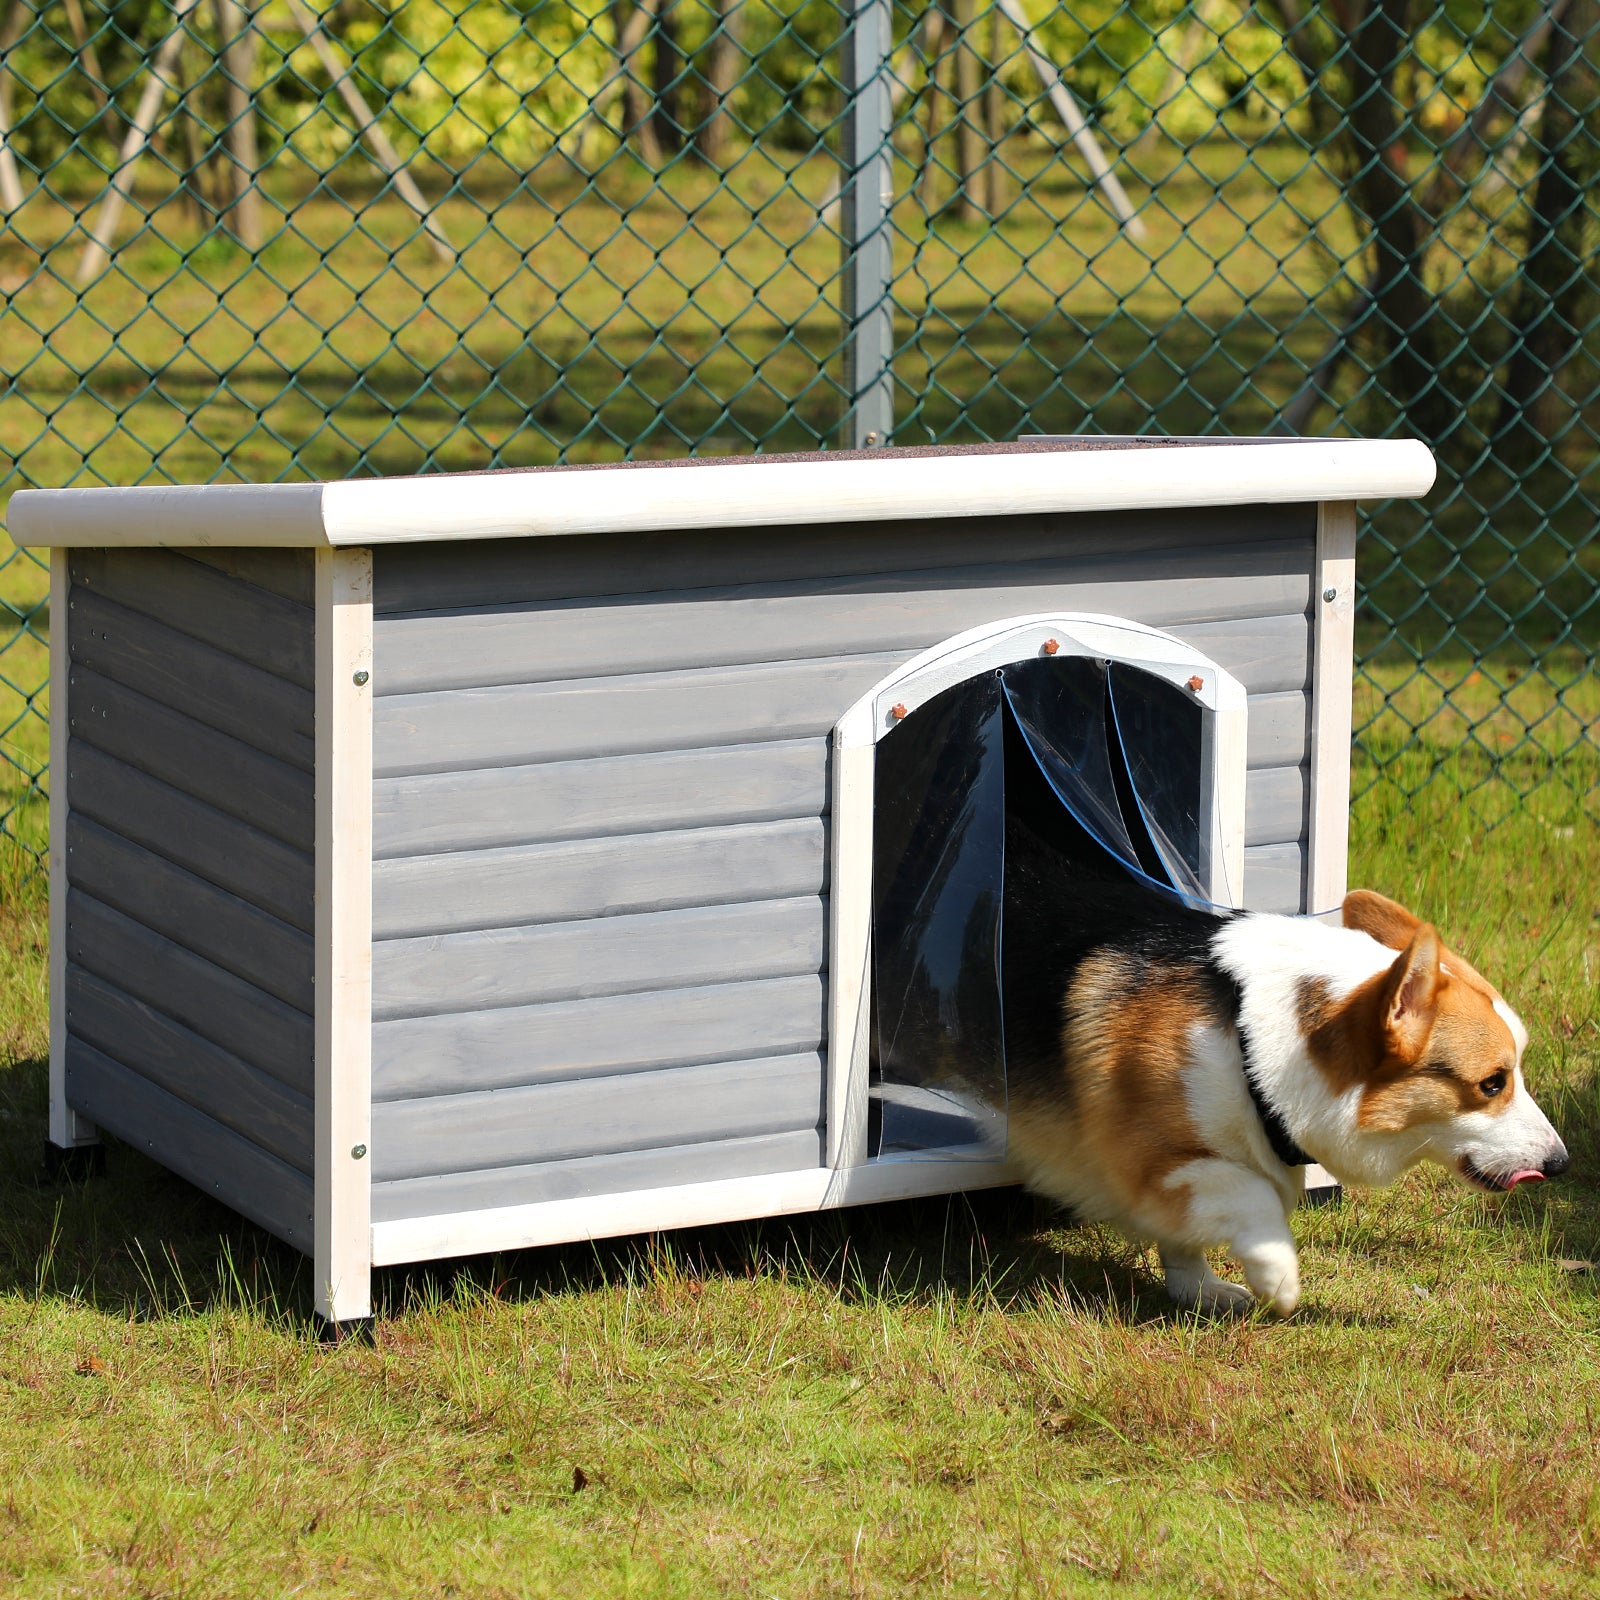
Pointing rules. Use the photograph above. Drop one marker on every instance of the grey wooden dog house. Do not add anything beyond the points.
(455, 864)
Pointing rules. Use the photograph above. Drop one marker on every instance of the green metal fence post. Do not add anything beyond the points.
(868, 247)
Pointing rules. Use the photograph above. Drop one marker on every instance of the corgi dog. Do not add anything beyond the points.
(1169, 1070)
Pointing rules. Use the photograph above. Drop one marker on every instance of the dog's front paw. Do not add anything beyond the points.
(1272, 1270)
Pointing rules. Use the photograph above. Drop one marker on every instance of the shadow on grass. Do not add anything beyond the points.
(135, 1241)
(139, 1243)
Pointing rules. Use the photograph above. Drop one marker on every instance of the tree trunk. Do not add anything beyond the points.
(969, 104)
(1403, 310)
(89, 65)
(198, 205)
(1554, 295)
(237, 48)
(1327, 115)
(667, 84)
(11, 196)
(633, 31)
(994, 122)
(722, 78)
(937, 89)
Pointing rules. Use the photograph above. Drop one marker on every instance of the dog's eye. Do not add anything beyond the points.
(1492, 1086)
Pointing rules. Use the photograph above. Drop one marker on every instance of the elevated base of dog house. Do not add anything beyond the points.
(77, 1164)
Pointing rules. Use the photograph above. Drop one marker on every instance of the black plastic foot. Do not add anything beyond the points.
(353, 1330)
(76, 1164)
(1329, 1195)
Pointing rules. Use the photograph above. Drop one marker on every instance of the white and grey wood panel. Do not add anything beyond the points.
(492, 807)
(236, 1170)
(505, 1046)
(797, 620)
(670, 870)
(577, 1179)
(189, 909)
(564, 1121)
(593, 810)
(422, 577)
(597, 956)
(686, 708)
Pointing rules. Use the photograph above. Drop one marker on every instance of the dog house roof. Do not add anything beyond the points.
(1082, 473)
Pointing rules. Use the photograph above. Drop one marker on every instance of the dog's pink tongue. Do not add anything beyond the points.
(1527, 1175)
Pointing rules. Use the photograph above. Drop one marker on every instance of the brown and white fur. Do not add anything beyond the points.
(1129, 1021)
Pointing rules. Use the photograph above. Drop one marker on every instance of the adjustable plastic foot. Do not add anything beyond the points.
(1330, 1194)
(353, 1330)
(73, 1163)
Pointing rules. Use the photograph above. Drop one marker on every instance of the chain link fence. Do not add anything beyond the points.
(268, 242)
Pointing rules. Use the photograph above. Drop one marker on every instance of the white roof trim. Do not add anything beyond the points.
(888, 486)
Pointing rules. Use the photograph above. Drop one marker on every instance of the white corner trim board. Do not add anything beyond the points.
(886, 486)
(1333, 617)
(342, 1169)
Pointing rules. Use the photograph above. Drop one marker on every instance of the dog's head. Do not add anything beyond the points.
(1444, 1056)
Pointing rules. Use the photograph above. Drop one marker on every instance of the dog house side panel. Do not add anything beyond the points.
(600, 833)
(189, 836)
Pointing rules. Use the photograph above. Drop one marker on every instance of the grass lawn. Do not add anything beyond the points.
(960, 1396)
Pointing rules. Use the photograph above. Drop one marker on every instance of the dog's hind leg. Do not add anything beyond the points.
(1193, 1285)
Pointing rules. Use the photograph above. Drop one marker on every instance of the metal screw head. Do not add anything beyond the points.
(1330, 595)
(871, 440)
(358, 679)
(358, 1151)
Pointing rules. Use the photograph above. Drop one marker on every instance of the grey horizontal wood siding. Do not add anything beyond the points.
(595, 956)
(501, 572)
(802, 620)
(590, 1175)
(485, 807)
(602, 877)
(558, 1121)
(1275, 878)
(600, 813)
(190, 831)
(503, 1046)
(236, 1170)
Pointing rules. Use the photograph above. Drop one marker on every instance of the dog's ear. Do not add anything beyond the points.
(1411, 995)
(1386, 920)
(1394, 927)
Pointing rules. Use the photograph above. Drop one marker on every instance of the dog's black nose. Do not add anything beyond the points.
(1557, 1164)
